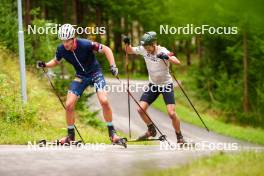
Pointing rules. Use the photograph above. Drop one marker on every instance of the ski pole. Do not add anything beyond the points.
(56, 93)
(128, 97)
(174, 77)
(133, 98)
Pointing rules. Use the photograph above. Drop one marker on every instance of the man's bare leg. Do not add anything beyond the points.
(70, 120)
(175, 122)
(151, 128)
(144, 105)
(107, 113)
(173, 116)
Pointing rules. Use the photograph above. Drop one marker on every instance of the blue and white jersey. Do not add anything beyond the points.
(82, 57)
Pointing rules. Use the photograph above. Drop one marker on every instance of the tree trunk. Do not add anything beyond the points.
(131, 33)
(74, 12)
(98, 13)
(181, 46)
(65, 11)
(174, 48)
(27, 12)
(245, 73)
(138, 31)
(199, 46)
(107, 31)
(46, 11)
(117, 35)
(80, 11)
(126, 30)
(188, 51)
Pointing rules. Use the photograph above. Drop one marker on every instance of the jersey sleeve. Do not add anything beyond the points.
(58, 54)
(138, 50)
(164, 50)
(98, 47)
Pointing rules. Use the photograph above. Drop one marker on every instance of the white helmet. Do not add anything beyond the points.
(66, 32)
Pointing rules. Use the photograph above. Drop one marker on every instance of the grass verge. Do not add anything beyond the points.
(245, 163)
(186, 114)
(41, 117)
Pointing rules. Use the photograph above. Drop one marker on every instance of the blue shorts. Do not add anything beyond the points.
(154, 91)
(80, 83)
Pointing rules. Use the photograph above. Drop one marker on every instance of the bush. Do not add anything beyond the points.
(12, 109)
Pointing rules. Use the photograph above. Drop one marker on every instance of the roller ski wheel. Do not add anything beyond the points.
(58, 142)
(44, 142)
(120, 141)
(186, 144)
(162, 138)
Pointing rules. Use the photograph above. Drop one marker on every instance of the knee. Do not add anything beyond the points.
(140, 111)
(69, 107)
(172, 114)
(104, 103)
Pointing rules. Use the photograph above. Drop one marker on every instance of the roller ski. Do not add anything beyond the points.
(149, 135)
(120, 141)
(115, 140)
(57, 142)
(162, 138)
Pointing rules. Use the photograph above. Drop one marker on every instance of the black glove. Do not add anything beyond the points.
(126, 40)
(163, 56)
(41, 64)
(114, 70)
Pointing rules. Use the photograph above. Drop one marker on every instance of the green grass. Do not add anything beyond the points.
(41, 117)
(242, 164)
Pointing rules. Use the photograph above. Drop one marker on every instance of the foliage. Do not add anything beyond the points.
(219, 71)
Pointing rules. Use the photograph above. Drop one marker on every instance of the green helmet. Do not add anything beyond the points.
(148, 38)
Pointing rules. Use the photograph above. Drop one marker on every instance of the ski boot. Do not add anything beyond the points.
(69, 139)
(150, 133)
(180, 139)
(182, 142)
(116, 140)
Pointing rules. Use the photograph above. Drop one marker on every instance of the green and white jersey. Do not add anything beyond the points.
(159, 73)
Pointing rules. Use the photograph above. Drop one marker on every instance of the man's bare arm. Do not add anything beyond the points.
(174, 60)
(52, 63)
(129, 49)
(109, 54)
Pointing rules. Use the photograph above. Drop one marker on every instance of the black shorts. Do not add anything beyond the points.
(153, 91)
